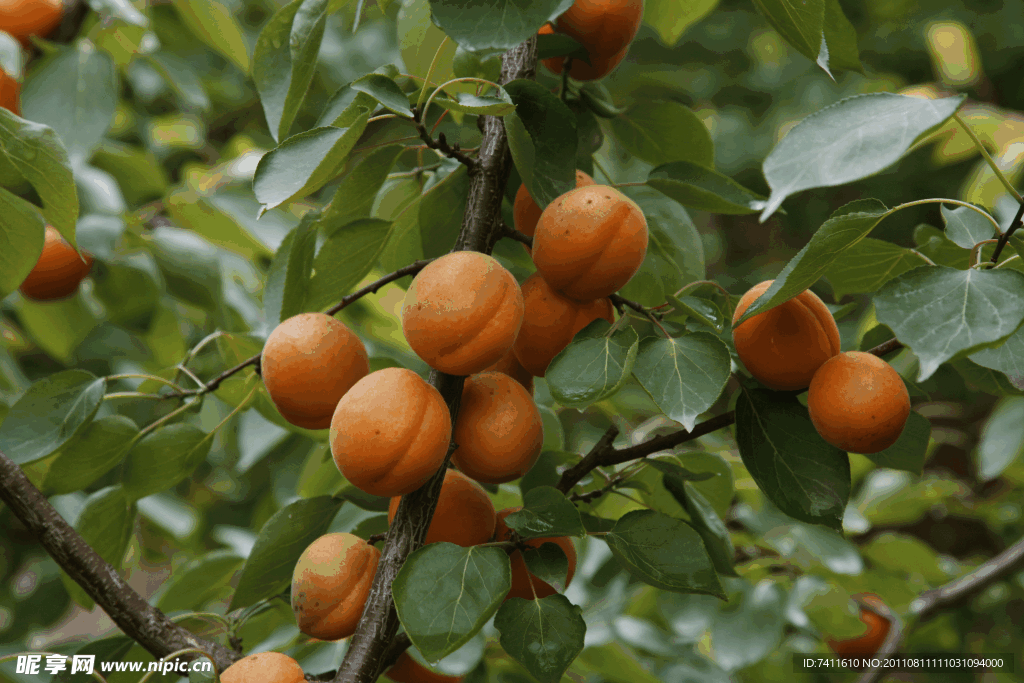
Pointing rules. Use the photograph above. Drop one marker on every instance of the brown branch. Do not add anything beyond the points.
(441, 144)
(1015, 224)
(137, 618)
(505, 231)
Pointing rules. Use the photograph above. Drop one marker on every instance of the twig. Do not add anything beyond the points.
(507, 231)
(441, 144)
(621, 301)
(1015, 224)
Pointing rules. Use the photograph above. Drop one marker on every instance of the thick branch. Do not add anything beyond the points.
(129, 610)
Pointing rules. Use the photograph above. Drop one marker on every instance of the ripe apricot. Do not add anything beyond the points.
(858, 402)
(59, 270)
(872, 639)
(604, 27)
(24, 18)
(510, 365)
(330, 583)
(265, 667)
(590, 242)
(462, 312)
(308, 363)
(601, 64)
(524, 584)
(464, 514)
(390, 432)
(526, 213)
(550, 323)
(784, 346)
(10, 89)
(498, 430)
(408, 670)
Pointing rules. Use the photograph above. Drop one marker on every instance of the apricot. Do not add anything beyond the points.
(330, 584)
(872, 639)
(498, 431)
(308, 363)
(524, 584)
(601, 64)
(462, 312)
(10, 89)
(265, 667)
(464, 514)
(783, 347)
(526, 213)
(59, 270)
(510, 365)
(24, 18)
(590, 242)
(408, 670)
(858, 402)
(390, 432)
(604, 27)
(550, 323)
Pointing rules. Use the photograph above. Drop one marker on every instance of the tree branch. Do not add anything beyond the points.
(1015, 224)
(137, 618)
(441, 144)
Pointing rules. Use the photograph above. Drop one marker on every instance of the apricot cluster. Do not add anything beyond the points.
(856, 401)
(604, 27)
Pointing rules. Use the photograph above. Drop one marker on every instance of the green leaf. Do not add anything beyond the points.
(137, 171)
(444, 594)
(51, 413)
(21, 240)
(800, 23)
(701, 310)
(1002, 438)
(385, 91)
(867, 265)
(560, 45)
(805, 477)
(192, 586)
(344, 107)
(852, 139)
(130, 286)
(163, 458)
(671, 18)
(840, 45)
(934, 244)
(752, 630)
(594, 366)
(664, 552)
(546, 512)
(966, 227)
(216, 25)
(58, 327)
(36, 152)
(182, 78)
(355, 194)
(288, 285)
(910, 450)
(542, 137)
(419, 40)
(284, 61)
(280, 543)
(100, 447)
(304, 163)
(469, 103)
(495, 25)
(662, 132)
(1007, 358)
(440, 212)
(345, 259)
(404, 244)
(705, 189)
(830, 609)
(202, 216)
(706, 521)
(941, 312)
(548, 563)
(120, 9)
(847, 226)
(685, 375)
(189, 264)
(105, 523)
(545, 636)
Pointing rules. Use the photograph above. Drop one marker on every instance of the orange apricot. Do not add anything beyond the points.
(872, 639)
(390, 432)
(524, 584)
(510, 365)
(464, 514)
(24, 18)
(601, 64)
(858, 402)
(499, 431)
(590, 242)
(526, 213)
(330, 584)
(59, 270)
(783, 347)
(462, 312)
(308, 363)
(550, 323)
(408, 670)
(604, 27)
(10, 89)
(265, 667)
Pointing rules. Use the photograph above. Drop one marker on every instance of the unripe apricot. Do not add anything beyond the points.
(59, 270)
(390, 432)
(510, 365)
(590, 242)
(858, 402)
(550, 323)
(10, 89)
(330, 584)
(601, 64)
(265, 667)
(464, 514)
(408, 670)
(308, 363)
(526, 213)
(24, 18)
(498, 430)
(869, 643)
(462, 312)
(784, 346)
(524, 584)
